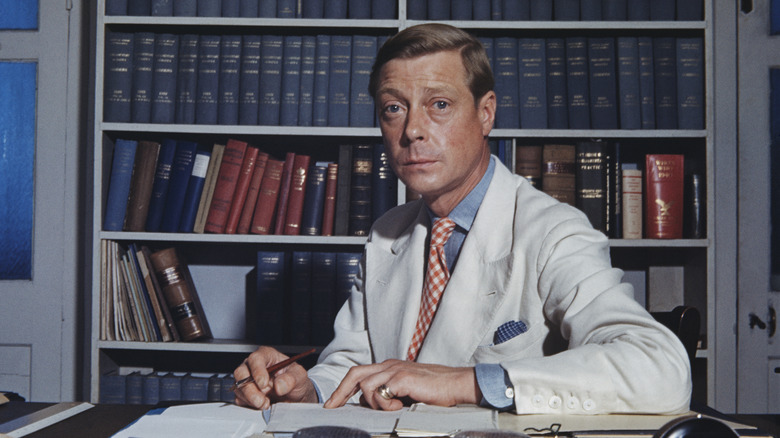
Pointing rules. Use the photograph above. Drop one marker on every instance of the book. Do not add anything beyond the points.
(313, 8)
(591, 10)
(638, 10)
(147, 297)
(300, 305)
(329, 205)
(516, 10)
(248, 8)
(229, 75)
(646, 82)
(557, 110)
(347, 269)
(531, 65)
(336, 9)
(632, 201)
(665, 75)
(142, 8)
(615, 190)
(339, 80)
(189, 209)
(313, 203)
(297, 194)
(142, 77)
(383, 10)
(361, 105)
(249, 79)
(187, 79)
(194, 388)
(144, 257)
(291, 80)
(245, 221)
(591, 182)
(141, 182)
(151, 394)
(577, 82)
(286, 8)
(321, 81)
(359, 9)
(461, 10)
(695, 211)
(265, 207)
(663, 10)
(185, 8)
(284, 193)
(438, 10)
(270, 79)
(231, 8)
(161, 317)
(134, 387)
(628, 83)
(266, 8)
(116, 7)
(269, 306)
(558, 167)
(241, 191)
(615, 10)
(215, 385)
(162, 179)
(113, 388)
(341, 219)
(323, 296)
(664, 177)
(417, 10)
(207, 90)
(690, 83)
(181, 171)
(209, 183)
(209, 8)
(690, 10)
(225, 186)
(119, 184)
(180, 295)
(170, 387)
(528, 163)
(118, 76)
(166, 64)
(306, 98)
(566, 10)
(507, 86)
(603, 83)
(541, 10)
(384, 184)
(360, 190)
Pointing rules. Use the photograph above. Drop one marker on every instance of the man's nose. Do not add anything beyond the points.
(415, 125)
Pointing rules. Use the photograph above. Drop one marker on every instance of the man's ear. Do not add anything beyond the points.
(487, 111)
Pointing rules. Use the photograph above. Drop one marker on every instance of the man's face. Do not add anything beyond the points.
(434, 134)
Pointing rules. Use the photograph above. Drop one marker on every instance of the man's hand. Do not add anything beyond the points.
(426, 383)
(290, 384)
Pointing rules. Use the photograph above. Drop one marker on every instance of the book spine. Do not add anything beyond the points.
(116, 7)
(695, 207)
(566, 10)
(341, 220)
(297, 194)
(194, 388)
(269, 304)
(166, 64)
(603, 83)
(438, 10)
(557, 111)
(249, 82)
(181, 171)
(185, 8)
(187, 79)
(591, 10)
(360, 190)
(321, 81)
(299, 322)
(329, 205)
(528, 164)
(157, 290)
(632, 202)
(558, 167)
(162, 179)
(323, 297)
(208, 79)
(461, 10)
(541, 10)
(266, 8)
(286, 8)
(284, 193)
(118, 77)
(313, 8)
(152, 293)
(663, 10)
(691, 10)
(141, 8)
(245, 221)
(336, 9)
(231, 8)
(615, 191)
(291, 81)
(690, 83)
(347, 268)
(119, 184)
(227, 178)
(214, 391)
(229, 74)
(384, 184)
(591, 182)
(195, 186)
(143, 67)
(361, 105)
(113, 388)
(646, 82)
(614, 10)
(311, 220)
(384, 10)
(208, 188)
(359, 9)
(134, 388)
(248, 8)
(151, 394)
(665, 74)
(170, 387)
(340, 75)
(578, 95)
(270, 79)
(419, 10)
(533, 89)
(507, 84)
(265, 208)
(664, 196)
(306, 103)
(628, 83)
(516, 10)
(209, 8)
(241, 190)
(141, 185)
(638, 10)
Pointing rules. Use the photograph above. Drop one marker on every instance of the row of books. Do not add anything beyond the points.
(153, 387)
(332, 9)
(148, 296)
(235, 188)
(556, 10)
(652, 199)
(236, 79)
(582, 82)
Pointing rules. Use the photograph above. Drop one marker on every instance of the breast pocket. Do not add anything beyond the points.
(528, 344)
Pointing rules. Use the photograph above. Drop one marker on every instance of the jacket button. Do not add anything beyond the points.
(572, 403)
(510, 392)
(588, 405)
(537, 400)
(555, 402)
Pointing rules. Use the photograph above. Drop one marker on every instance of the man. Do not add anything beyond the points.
(519, 261)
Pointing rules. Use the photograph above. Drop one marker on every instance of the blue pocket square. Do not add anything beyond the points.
(509, 330)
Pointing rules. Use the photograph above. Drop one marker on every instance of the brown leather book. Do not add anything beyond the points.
(528, 163)
(558, 164)
(208, 187)
(229, 171)
(141, 185)
(284, 192)
(329, 206)
(242, 189)
(262, 220)
(300, 171)
(664, 182)
(245, 221)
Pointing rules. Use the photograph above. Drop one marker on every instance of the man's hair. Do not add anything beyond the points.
(430, 38)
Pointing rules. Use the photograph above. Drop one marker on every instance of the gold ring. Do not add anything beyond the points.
(385, 392)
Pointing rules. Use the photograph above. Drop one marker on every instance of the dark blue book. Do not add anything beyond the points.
(507, 86)
(591, 182)
(557, 111)
(638, 10)
(340, 76)
(291, 80)
(417, 10)
(690, 10)
(170, 387)
(116, 7)
(181, 170)
(162, 179)
(119, 184)
(603, 83)
(438, 9)
(151, 394)
(248, 8)
(313, 202)
(142, 8)
(384, 184)
(496, 10)
(209, 8)
(313, 8)
(162, 8)
(532, 66)
(321, 81)
(215, 388)
(189, 209)
(208, 80)
(118, 77)
(541, 10)
(360, 190)
(578, 94)
(143, 67)
(665, 73)
(690, 83)
(231, 8)
(185, 8)
(663, 10)
(361, 105)
(615, 191)
(516, 10)
(628, 82)
(286, 8)
(646, 82)
(591, 10)
(383, 9)
(187, 79)
(566, 10)
(113, 389)
(359, 9)
(229, 76)
(308, 64)
(343, 187)
(134, 388)
(194, 388)
(266, 8)
(461, 10)
(299, 321)
(480, 10)
(227, 382)
(336, 9)
(270, 79)
(347, 268)
(614, 10)
(249, 80)
(269, 305)
(323, 297)
(166, 64)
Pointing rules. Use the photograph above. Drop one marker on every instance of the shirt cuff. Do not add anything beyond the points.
(497, 390)
(317, 389)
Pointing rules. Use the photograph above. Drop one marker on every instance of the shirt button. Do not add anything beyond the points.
(555, 402)
(509, 393)
(537, 400)
(571, 403)
(588, 405)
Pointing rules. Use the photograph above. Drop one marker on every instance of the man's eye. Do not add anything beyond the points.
(441, 104)
(392, 108)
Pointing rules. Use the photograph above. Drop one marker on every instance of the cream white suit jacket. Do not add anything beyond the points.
(589, 349)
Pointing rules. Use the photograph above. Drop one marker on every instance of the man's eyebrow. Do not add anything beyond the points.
(428, 91)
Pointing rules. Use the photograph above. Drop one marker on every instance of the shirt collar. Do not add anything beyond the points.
(464, 213)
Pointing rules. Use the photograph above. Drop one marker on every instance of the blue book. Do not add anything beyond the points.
(384, 183)
(615, 191)
(181, 170)
(248, 8)
(313, 8)
(361, 105)
(266, 9)
(113, 389)
(308, 63)
(119, 184)
(162, 178)
(591, 10)
(134, 394)
(215, 388)
(166, 63)
(270, 79)
(638, 10)
(603, 83)
(615, 10)
(663, 10)
(116, 7)
(557, 111)
(628, 82)
(690, 83)
(496, 10)
(143, 67)
(340, 77)
(323, 297)
(185, 8)
(187, 79)
(299, 321)
(170, 387)
(417, 10)
(691, 10)
(132, 255)
(461, 9)
(360, 190)
(142, 8)
(249, 80)
(438, 9)
(541, 10)
(383, 9)
(209, 8)
(194, 388)
(516, 10)
(336, 9)
(359, 9)
(195, 185)
(229, 74)
(321, 81)
(646, 82)
(227, 382)
(151, 388)
(313, 202)
(532, 67)
(347, 268)
(208, 80)
(162, 8)
(291, 80)
(231, 8)
(286, 8)
(665, 74)
(566, 10)
(507, 84)
(578, 100)
(118, 77)
(269, 305)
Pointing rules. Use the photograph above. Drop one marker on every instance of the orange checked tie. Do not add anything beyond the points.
(435, 280)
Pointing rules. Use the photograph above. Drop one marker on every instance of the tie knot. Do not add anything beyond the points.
(442, 230)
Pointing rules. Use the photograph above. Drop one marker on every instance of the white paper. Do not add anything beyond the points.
(289, 417)
(212, 420)
(425, 420)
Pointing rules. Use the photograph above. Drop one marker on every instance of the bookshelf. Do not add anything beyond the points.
(222, 264)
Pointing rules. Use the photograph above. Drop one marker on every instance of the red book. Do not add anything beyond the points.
(664, 201)
(292, 223)
(229, 171)
(262, 220)
(242, 188)
(245, 221)
(284, 192)
(329, 207)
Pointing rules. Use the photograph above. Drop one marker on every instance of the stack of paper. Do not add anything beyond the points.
(428, 421)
